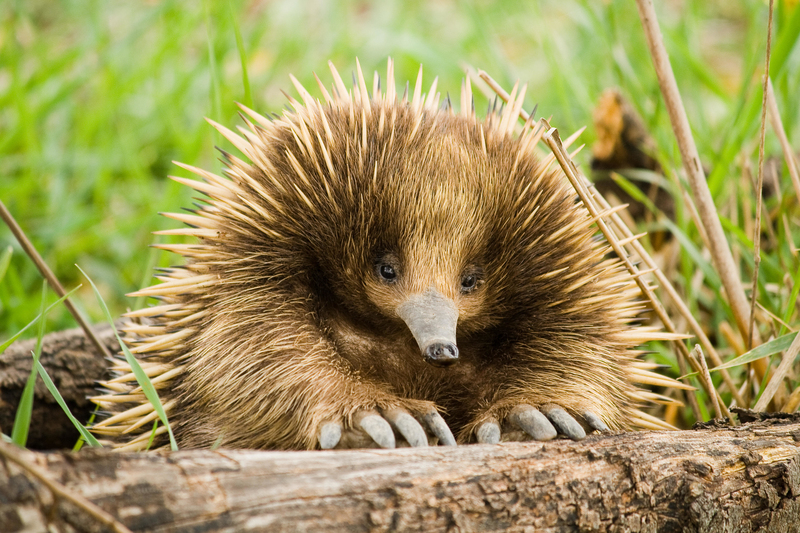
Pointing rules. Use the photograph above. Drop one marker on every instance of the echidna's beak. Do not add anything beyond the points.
(432, 320)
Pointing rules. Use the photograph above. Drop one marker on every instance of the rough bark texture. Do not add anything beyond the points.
(74, 365)
(712, 480)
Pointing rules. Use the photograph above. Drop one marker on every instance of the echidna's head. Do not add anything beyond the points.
(400, 242)
(400, 215)
(432, 239)
(425, 254)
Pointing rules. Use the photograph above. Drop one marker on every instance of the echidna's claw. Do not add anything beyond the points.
(594, 421)
(329, 435)
(533, 422)
(407, 426)
(488, 432)
(544, 422)
(386, 428)
(439, 428)
(565, 424)
(377, 428)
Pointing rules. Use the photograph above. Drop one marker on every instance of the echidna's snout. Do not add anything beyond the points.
(432, 319)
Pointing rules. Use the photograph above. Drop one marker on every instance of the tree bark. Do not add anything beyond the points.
(74, 364)
(716, 479)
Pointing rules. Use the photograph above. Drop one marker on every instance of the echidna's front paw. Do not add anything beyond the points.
(383, 429)
(544, 423)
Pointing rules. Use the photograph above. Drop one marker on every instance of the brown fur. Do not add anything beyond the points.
(282, 324)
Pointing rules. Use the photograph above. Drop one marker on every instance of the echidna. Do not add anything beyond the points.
(384, 268)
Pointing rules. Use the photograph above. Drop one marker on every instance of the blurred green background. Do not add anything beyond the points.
(98, 97)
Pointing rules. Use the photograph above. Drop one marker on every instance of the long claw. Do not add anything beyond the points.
(565, 423)
(439, 428)
(532, 422)
(377, 428)
(594, 421)
(407, 426)
(488, 432)
(329, 435)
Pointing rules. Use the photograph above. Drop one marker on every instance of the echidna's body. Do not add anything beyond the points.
(292, 309)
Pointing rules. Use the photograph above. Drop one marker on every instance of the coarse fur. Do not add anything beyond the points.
(278, 322)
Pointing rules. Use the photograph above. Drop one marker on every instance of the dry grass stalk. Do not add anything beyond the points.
(642, 253)
(756, 244)
(27, 245)
(732, 338)
(700, 361)
(777, 125)
(10, 453)
(733, 210)
(777, 377)
(681, 306)
(720, 250)
(504, 96)
(767, 316)
(614, 217)
(760, 187)
(771, 173)
(485, 89)
(553, 141)
(695, 216)
(792, 403)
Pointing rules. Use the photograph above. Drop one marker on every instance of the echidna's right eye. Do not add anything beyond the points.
(468, 282)
(387, 273)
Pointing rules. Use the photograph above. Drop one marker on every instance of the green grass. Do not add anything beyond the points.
(22, 420)
(97, 98)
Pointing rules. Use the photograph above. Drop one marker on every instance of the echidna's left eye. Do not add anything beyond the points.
(387, 272)
(387, 267)
(469, 282)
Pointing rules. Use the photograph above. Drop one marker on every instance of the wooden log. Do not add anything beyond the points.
(718, 479)
(74, 364)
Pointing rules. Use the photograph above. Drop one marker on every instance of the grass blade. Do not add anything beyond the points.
(152, 435)
(768, 391)
(138, 371)
(216, 100)
(57, 395)
(746, 120)
(22, 419)
(792, 299)
(786, 41)
(694, 254)
(768, 348)
(10, 341)
(248, 98)
(5, 260)
(152, 261)
(81, 441)
(634, 192)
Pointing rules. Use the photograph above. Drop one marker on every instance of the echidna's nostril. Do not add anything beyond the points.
(441, 353)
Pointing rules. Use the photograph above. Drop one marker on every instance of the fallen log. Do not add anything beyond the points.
(713, 479)
(74, 364)
(744, 478)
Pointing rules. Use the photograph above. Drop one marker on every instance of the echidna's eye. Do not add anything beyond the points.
(469, 282)
(387, 273)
